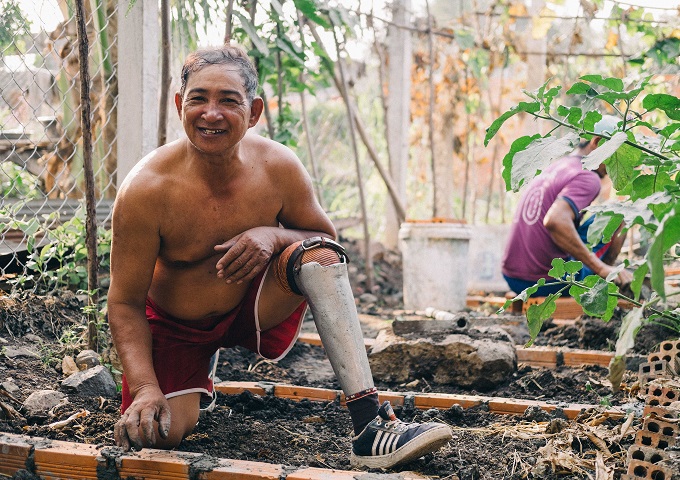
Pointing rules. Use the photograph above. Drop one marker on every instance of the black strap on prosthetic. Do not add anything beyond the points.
(295, 260)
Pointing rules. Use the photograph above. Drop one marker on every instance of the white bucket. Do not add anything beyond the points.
(435, 263)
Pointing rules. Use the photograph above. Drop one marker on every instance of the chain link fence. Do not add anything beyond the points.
(41, 159)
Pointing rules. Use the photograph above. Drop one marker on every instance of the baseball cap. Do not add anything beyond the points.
(607, 125)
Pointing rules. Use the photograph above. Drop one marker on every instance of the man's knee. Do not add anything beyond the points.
(319, 250)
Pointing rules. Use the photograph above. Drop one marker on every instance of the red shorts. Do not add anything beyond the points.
(182, 348)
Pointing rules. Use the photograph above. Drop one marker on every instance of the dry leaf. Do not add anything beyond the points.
(612, 40)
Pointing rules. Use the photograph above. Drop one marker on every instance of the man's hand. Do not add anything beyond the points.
(246, 254)
(623, 278)
(136, 426)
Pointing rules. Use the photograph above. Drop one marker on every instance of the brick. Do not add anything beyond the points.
(648, 471)
(14, 451)
(512, 406)
(295, 392)
(575, 358)
(646, 454)
(154, 464)
(660, 395)
(445, 401)
(654, 440)
(56, 460)
(670, 351)
(234, 388)
(661, 412)
(657, 425)
(652, 370)
(537, 356)
(242, 469)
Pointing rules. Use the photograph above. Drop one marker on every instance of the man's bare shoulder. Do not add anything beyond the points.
(155, 172)
(268, 150)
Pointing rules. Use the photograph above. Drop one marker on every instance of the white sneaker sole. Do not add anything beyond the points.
(428, 442)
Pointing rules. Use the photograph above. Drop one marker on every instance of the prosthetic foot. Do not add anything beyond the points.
(317, 269)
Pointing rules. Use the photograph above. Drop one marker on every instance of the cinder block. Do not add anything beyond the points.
(651, 370)
(670, 351)
(648, 471)
(660, 395)
(654, 440)
(646, 454)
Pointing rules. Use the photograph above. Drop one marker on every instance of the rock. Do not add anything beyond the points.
(95, 381)
(482, 358)
(9, 386)
(68, 366)
(87, 359)
(535, 413)
(41, 402)
(33, 338)
(368, 298)
(14, 352)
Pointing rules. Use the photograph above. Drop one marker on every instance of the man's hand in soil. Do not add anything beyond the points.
(624, 278)
(246, 254)
(137, 426)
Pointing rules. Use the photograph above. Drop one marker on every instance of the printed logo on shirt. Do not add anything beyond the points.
(531, 211)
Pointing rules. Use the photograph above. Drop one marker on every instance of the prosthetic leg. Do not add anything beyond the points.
(317, 269)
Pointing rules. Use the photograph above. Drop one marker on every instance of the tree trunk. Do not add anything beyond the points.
(165, 73)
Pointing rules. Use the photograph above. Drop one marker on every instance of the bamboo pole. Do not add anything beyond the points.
(228, 26)
(90, 205)
(430, 113)
(357, 164)
(165, 73)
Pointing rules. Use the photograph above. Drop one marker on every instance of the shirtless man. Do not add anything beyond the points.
(219, 241)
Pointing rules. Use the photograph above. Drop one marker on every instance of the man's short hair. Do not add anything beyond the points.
(224, 55)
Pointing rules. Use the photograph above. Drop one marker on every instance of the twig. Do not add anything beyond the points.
(64, 423)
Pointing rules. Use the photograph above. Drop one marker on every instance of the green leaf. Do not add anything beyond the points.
(530, 107)
(539, 313)
(621, 165)
(630, 324)
(667, 235)
(572, 114)
(662, 101)
(645, 185)
(603, 227)
(611, 83)
(259, 44)
(573, 266)
(518, 145)
(604, 151)
(639, 275)
(310, 10)
(538, 155)
(597, 302)
(580, 88)
(591, 118)
(557, 271)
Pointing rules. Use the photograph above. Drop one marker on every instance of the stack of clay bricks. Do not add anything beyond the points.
(659, 438)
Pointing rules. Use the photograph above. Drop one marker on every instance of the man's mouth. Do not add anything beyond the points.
(211, 131)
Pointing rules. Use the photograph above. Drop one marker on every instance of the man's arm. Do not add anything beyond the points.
(134, 250)
(559, 221)
(301, 217)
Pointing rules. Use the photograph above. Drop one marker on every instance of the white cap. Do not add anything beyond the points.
(607, 125)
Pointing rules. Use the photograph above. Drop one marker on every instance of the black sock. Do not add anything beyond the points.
(362, 411)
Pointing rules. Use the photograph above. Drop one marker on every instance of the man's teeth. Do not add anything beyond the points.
(211, 132)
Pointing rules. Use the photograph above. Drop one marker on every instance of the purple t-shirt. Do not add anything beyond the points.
(530, 248)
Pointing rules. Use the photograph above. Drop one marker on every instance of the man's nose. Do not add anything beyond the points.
(212, 113)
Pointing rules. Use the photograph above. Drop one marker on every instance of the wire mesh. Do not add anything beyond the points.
(41, 153)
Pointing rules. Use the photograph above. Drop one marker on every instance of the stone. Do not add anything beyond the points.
(15, 352)
(95, 381)
(368, 298)
(9, 386)
(87, 359)
(481, 358)
(31, 337)
(41, 402)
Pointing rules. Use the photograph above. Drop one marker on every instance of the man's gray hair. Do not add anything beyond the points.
(224, 55)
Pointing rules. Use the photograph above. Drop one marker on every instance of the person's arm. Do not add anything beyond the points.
(559, 221)
(301, 217)
(134, 249)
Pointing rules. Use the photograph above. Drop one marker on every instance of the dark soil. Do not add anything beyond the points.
(318, 434)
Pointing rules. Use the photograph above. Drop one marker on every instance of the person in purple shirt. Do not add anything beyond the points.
(548, 222)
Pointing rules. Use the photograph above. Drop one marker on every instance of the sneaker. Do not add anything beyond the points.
(387, 441)
(207, 406)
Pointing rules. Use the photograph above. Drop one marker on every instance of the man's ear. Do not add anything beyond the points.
(178, 104)
(256, 108)
(594, 142)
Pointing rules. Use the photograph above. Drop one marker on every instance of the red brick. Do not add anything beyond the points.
(242, 469)
(55, 460)
(654, 440)
(322, 474)
(660, 395)
(153, 464)
(657, 425)
(537, 356)
(14, 451)
(576, 358)
(660, 412)
(648, 471)
(646, 454)
(651, 370)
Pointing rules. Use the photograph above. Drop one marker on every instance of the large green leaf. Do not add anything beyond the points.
(611, 83)
(639, 212)
(604, 151)
(665, 237)
(621, 165)
(630, 324)
(645, 185)
(518, 145)
(572, 114)
(599, 300)
(662, 101)
(539, 313)
(639, 275)
(580, 88)
(250, 29)
(538, 155)
(530, 107)
(310, 10)
(603, 227)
